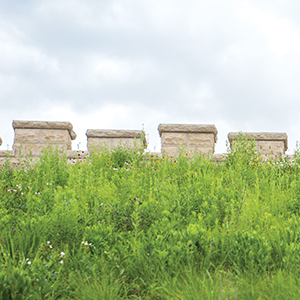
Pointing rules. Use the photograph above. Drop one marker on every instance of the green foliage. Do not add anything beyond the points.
(119, 226)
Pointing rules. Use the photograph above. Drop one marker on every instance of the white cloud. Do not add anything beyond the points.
(281, 33)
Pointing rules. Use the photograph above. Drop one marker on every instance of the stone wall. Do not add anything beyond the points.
(265, 142)
(192, 137)
(112, 138)
(33, 136)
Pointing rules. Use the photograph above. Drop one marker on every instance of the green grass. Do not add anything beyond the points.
(118, 226)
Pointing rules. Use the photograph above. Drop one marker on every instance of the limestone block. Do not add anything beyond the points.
(170, 151)
(203, 150)
(189, 135)
(272, 147)
(277, 140)
(37, 134)
(173, 138)
(55, 136)
(35, 149)
(96, 143)
(128, 142)
(45, 125)
(6, 153)
(27, 135)
(113, 138)
(202, 128)
(114, 133)
(201, 139)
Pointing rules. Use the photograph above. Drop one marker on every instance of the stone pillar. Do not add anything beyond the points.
(33, 136)
(195, 138)
(265, 142)
(97, 138)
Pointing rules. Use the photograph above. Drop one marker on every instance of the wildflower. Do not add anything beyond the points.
(86, 203)
(68, 202)
(227, 175)
(106, 179)
(47, 266)
(61, 261)
(127, 163)
(62, 254)
(29, 262)
(191, 245)
(116, 169)
(212, 244)
(48, 242)
(101, 204)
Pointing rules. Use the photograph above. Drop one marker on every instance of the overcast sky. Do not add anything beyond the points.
(119, 64)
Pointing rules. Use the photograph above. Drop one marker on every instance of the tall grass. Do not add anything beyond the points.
(119, 226)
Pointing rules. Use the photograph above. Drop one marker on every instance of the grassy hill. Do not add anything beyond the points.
(118, 226)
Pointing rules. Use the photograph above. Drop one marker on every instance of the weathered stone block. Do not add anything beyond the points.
(55, 136)
(113, 138)
(203, 150)
(6, 153)
(202, 128)
(96, 143)
(127, 142)
(169, 151)
(201, 139)
(271, 147)
(174, 138)
(264, 140)
(196, 137)
(45, 125)
(36, 135)
(27, 135)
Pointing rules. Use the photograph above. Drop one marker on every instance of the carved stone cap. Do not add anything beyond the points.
(0, 141)
(195, 128)
(45, 125)
(261, 136)
(115, 133)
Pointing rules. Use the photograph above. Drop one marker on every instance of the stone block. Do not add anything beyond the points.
(36, 135)
(113, 138)
(201, 139)
(171, 151)
(264, 140)
(127, 142)
(97, 143)
(199, 128)
(45, 125)
(52, 136)
(174, 139)
(202, 136)
(271, 147)
(27, 135)
(6, 153)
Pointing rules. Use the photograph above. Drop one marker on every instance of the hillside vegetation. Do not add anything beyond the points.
(119, 226)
